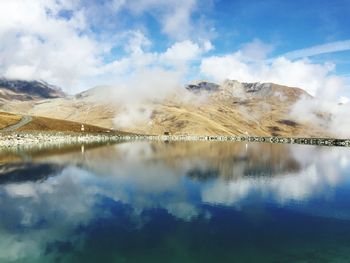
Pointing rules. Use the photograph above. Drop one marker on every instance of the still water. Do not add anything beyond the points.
(176, 202)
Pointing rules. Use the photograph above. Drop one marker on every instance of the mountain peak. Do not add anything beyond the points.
(201, 85)
(28, 90)
(248, 87)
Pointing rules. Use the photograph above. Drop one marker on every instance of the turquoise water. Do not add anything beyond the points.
(176, 202)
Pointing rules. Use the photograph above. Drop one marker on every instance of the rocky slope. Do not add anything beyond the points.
(28, 90)
(232, 108)
(238, 108)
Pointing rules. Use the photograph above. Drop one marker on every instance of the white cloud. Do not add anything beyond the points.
(175, 60)
(301, 73)
(344, 100)
(174, 16)
(178, 20)
(256, 50)
(39, 44)
(42, 44)
(136, 42)
(319, 49)
(116, 5)
(184, 52)
(144, 76)
(145, 85)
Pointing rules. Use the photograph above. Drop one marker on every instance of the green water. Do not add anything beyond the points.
(176, 202)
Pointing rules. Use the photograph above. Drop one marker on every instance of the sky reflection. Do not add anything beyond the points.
(45, 213)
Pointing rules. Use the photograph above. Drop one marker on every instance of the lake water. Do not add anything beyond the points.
(176, 202)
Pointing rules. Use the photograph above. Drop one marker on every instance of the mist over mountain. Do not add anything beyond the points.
(201, 107)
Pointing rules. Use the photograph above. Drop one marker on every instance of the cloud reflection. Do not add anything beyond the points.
(182, 179)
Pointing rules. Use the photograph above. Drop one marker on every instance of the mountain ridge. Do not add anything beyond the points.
(229, 108)
(28, 90)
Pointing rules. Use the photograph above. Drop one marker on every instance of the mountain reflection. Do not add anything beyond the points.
(71, 191)
(21, 172)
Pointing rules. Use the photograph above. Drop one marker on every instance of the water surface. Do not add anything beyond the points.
(176, 202)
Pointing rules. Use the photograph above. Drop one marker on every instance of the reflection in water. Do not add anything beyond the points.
(186, 202)
(15, 173)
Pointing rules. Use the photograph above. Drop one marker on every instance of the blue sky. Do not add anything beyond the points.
(288, 25)
(82, 43)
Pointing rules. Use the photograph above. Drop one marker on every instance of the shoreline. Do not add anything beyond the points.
(52, 139)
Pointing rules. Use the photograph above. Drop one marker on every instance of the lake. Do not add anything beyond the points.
(176, 202)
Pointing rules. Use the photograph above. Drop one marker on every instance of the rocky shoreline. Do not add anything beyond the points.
(42, 139)
(33, 139)
(285, 140)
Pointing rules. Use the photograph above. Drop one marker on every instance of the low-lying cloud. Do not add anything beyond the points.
(319, 80)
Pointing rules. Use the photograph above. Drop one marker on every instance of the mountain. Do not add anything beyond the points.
(28, 90)
(200, 86)
(202, 107)
(234, 108)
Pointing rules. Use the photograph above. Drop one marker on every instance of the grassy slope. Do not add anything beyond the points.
(8, 119)
(220, 114)
(49, 124)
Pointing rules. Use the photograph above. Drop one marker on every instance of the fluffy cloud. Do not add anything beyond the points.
(174, 16)
(57, 42)
(38, 42)
(185, 51)
(313, 78)
(256, 50)
(174, 61)
(148, 76)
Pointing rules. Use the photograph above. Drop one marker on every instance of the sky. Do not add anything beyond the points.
(78, 44)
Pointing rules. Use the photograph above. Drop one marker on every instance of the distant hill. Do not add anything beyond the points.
(203, 107)
(48, 124)
(28, 90)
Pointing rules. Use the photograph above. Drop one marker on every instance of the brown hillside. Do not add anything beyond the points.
(7, 119)
(232, 108)
(49, 124)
